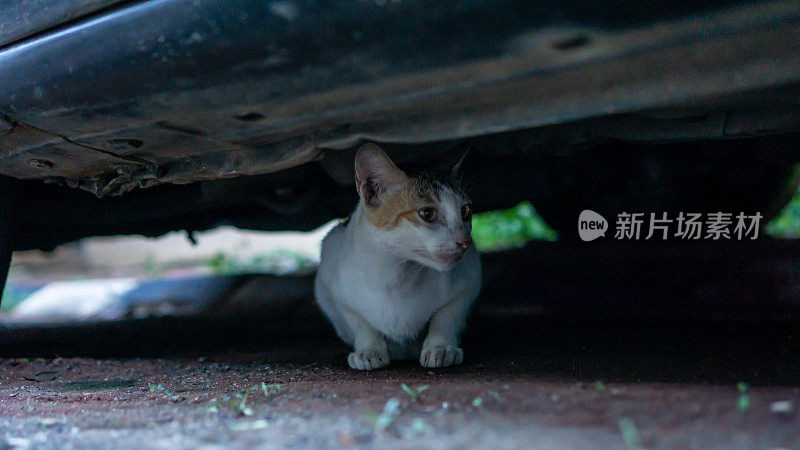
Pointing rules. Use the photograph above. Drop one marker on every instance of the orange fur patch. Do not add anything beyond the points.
(401, 204)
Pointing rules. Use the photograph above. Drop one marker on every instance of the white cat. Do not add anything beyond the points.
(398, 279)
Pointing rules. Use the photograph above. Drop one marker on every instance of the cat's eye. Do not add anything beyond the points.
(466, 212)
(428, 214)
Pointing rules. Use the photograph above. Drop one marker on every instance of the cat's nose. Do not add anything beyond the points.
(463, 244)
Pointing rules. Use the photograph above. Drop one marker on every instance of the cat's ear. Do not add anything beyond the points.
(451, 162)
(376, 174)
(456, 171)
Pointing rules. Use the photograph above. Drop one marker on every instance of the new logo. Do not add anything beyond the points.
(591, 225)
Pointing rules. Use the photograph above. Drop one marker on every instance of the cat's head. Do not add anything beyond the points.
(423, 218)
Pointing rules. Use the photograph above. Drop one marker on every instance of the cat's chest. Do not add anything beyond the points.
(398, 307)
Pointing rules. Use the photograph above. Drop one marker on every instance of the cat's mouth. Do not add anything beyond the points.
(449, 258)
(439, 261)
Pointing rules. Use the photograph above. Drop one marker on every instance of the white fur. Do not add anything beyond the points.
(388, 293)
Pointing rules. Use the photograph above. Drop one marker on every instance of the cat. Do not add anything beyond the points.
(399, 277)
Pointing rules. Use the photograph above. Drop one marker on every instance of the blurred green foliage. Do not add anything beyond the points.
(12, 297)
(787, 224)
(513, 227)
(278, 262)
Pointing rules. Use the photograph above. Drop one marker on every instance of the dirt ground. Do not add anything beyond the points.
(536, 374)
(534, 384)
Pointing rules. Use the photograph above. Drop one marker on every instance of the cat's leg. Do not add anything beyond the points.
(440, 348)
(369, 346)
(329, 307)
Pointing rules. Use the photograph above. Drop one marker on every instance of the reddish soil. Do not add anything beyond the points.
(561, 386)
(552, 370)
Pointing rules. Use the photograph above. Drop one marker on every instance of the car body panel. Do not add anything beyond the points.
(174, 91)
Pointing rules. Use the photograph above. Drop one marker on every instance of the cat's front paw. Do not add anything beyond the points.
(368, 360)
(441, 356)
